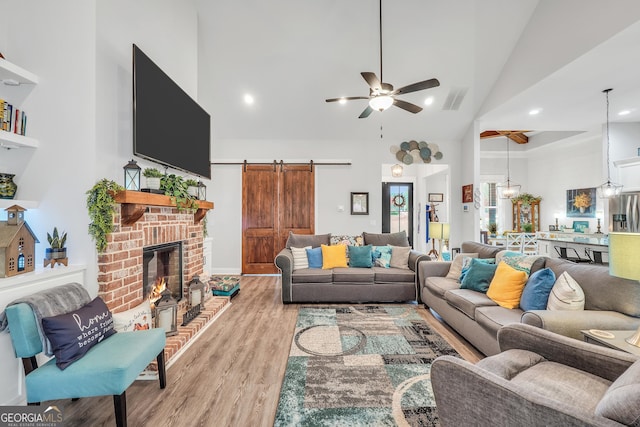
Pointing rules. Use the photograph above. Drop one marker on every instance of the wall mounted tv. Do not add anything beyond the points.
(169, 127)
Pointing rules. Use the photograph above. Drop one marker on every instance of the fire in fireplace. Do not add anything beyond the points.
(162, 269)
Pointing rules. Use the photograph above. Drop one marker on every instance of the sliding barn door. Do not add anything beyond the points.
(275, 200)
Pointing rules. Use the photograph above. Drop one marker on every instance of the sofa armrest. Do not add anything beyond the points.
(284, 262)
(467, 394)
(415, 258)
(570, 322)
(601, 361)
(434, 268)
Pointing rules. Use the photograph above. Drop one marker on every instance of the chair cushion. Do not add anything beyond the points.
(302, 240)
(74, 333)
(467, 300)
(621, 402)
(312, 275)
(393, 275)
(107, 368)
(439, 285)
(493, 318)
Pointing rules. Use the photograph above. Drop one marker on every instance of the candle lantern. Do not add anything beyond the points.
(167, 313)
(202, 191)
(132, 176)
(196, 291)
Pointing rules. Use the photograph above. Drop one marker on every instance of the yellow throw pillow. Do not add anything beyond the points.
(334, 256)
(507, 285)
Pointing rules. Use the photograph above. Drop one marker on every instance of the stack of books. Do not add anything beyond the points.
(12, 119)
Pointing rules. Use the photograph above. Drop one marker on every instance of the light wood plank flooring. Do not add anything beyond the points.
(231, 375)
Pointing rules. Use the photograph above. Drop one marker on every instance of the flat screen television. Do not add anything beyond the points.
(169, 127)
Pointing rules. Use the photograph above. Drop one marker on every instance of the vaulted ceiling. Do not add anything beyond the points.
(501, 58)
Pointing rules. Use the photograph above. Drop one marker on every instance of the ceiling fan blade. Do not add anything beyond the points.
(427, 84)
(346, 98)
(366, 112)
(412, 108)
(372, 80)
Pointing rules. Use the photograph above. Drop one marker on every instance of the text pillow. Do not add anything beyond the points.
(334, 256)
(73, 334)
(536, 291)
(300, 259)
(478, 276)
(360, 256)
(566, 294)
(507, 286)
(135, 319)
(400, 257)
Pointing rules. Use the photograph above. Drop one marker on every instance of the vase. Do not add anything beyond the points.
(7, 186)
(581, 209)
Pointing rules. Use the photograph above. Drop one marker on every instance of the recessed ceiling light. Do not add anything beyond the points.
(535, 111)
(428, 101)
(248, 99)
(624, 112)
(342, 101)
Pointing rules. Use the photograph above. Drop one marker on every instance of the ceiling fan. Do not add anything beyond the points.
(382, 95)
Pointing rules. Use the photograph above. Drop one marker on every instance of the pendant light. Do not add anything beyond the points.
(609, 189)
(508, 189)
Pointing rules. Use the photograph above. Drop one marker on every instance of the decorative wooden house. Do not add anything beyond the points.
(17, 244)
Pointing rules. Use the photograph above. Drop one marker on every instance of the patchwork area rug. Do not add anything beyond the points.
(364, 365)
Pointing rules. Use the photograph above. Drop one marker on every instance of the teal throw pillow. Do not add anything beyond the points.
(466, 263)
(360, 256)
(315, 257)
(381, 256)
(479, 276)
(537, 290)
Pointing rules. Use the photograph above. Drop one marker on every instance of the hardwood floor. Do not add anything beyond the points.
(231, 375)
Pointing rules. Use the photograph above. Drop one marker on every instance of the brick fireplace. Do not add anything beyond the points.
(120, 267)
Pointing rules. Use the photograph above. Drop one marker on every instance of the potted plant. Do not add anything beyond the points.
(102, 205)
(153, 177)
(56, 249)
(192, 188)
(175, 187)
(527, 227)
(493, 228)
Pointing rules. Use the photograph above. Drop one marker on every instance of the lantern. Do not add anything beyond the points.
(196, 291)
(132, 176)
(202, 191)
(166, 312)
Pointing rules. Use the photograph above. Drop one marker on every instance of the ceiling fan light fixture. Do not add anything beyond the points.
(381, 102)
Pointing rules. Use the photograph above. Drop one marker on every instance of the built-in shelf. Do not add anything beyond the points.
(134, 205)
(625, 163)
(11, 140)
(12, 75)
(27, 204)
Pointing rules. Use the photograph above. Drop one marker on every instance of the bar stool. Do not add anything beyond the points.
(562, 253)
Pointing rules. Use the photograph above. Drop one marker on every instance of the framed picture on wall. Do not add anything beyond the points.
(359, 203)
(436, 197)
(467, 193)
(581, 203)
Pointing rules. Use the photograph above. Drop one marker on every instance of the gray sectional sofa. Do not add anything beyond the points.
(610, 302)
(375, 284)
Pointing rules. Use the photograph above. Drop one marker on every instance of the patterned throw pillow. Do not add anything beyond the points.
(134, 319)
(517, 260)
(346, 240)
(300, 259)
(566, 294)
(381, 256)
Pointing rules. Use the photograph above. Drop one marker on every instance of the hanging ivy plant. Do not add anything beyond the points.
(102, 206)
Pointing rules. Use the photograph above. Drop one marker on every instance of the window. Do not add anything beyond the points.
(491, 211)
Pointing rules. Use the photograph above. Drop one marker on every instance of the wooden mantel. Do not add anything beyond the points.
(134, 205)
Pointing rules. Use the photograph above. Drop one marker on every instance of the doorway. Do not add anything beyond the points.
(397, 208)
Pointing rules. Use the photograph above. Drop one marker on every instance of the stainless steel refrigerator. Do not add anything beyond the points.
(624, 212)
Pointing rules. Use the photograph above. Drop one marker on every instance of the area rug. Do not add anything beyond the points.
(364, 365)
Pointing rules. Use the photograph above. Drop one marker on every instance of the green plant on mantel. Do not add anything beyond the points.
(152, 173)
(56, 240)
(102, 205)
(175, 187)
(526, 199)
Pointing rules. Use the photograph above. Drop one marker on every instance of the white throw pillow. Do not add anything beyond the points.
(400, 257)
(566, 294)
(456, 265)
(300, 259)
(134, 319)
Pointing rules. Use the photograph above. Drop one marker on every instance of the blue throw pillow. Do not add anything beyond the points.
(315, 257)
(466, 263)
(537, 290)
(381, 256)
(360, 256)
(478, 277)
(73, 334)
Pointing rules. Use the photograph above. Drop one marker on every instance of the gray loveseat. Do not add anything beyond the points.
(610, 302)
(375, 284)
